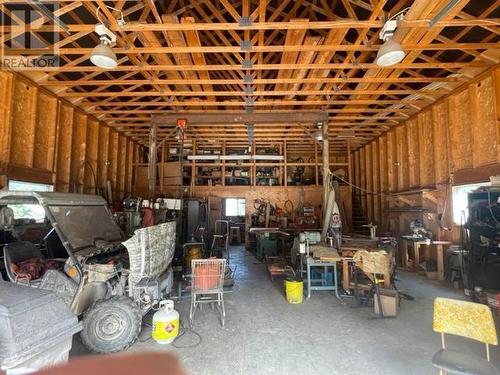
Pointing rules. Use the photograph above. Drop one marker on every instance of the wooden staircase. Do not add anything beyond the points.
(359, 217)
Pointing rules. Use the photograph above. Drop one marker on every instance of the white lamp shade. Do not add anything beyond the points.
(389, 53)
(103, 56)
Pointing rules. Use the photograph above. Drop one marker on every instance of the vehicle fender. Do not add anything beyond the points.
(87, 294)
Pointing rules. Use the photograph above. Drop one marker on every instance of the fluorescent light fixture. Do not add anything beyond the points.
(235, 157)
(102, 55)
(203, 157)
(268, 157)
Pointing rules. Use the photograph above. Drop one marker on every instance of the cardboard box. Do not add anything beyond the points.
(390, 303)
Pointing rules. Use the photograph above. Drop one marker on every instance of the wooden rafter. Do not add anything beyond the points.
(186, 57)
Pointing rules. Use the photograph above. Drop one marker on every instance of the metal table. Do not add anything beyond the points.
(311, 263)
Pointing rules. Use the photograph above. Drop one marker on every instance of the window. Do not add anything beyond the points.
(32, 212)
(460, 210)
(29, 186)
(235, 206)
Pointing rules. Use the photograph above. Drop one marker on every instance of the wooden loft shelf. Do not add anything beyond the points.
(283, 171)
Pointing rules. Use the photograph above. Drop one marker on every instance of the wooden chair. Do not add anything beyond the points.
(467, 319)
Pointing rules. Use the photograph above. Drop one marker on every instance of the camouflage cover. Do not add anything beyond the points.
(150, 251)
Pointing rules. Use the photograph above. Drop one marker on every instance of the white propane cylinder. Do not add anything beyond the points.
(165, 323)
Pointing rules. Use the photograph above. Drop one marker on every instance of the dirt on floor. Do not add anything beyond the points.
(264, 334)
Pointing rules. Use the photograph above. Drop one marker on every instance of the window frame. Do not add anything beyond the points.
(240, 205)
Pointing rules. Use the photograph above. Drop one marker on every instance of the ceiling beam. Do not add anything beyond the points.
(237, 118)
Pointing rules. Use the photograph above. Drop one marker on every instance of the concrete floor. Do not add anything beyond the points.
(266, 335)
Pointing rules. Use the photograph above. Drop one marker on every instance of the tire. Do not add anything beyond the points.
(111, 325)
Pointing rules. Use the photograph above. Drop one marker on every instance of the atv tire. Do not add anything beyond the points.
(111, 325)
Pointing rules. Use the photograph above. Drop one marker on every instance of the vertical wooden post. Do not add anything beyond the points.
(316, 169)
(161, 171)
(285, 163)
(223, 169)
(254, 165)
(326, 166)
(349, 161)
(193, 168)
(152, 160)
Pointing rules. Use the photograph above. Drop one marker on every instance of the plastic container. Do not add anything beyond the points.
(36, 328)
(294, 290)
(165, 323)
(192, 252)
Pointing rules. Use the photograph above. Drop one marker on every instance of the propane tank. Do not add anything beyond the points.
(165, 323)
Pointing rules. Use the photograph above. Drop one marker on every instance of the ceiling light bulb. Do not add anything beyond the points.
(103, 56)
(389, 53)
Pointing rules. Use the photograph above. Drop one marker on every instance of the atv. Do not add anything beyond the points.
(74, 248)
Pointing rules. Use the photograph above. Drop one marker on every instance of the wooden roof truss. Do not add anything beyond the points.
(188, 56)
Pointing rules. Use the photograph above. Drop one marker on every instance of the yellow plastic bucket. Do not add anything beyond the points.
(294, 291)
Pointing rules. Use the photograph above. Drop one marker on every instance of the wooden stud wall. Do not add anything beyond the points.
(456, 140)
(45, 139)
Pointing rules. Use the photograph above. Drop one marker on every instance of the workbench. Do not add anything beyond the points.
(417, 244)
(325, 258)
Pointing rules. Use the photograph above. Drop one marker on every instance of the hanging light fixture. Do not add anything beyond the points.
(102, 55)
(318, 133)
(390, 52)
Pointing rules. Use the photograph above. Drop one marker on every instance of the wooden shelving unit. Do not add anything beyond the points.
(261, 164)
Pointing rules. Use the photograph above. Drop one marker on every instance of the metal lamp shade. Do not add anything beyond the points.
(103, 56)
(389, 53)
